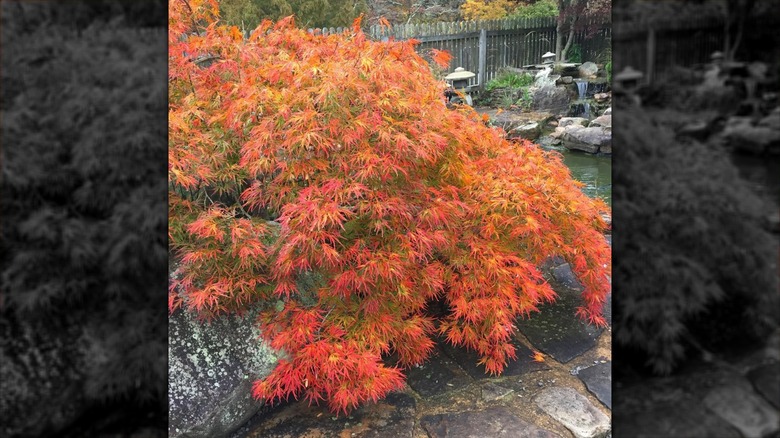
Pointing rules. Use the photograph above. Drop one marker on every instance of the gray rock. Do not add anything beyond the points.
(556, 331)
(672, 419)
(766, 381)
(772, 120)
(498, 422)
(604, 121)
(741, 134)
(598, 379)
(515, 122)
(212, 366)
(557, 133)
(588, 70)
(567, 80)
(564, 275)
(435, 376)
(467, 360)
(592, 140)
(40, 400)
(393, 416)
(491, 392)
(574, 411)
(529, 131)
(607, 112)
(553, 99)
(572, 121)
(744, 409)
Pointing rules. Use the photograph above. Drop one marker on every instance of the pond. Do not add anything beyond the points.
(595, 171)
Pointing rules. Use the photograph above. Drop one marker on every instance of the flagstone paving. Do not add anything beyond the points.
(735, 397)
(451, 395)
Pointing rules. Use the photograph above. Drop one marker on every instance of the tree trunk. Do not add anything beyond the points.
(569, 40)
(558, 39)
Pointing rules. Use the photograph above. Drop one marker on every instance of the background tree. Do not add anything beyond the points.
(247, 14)
(579, 15)
(378, 192)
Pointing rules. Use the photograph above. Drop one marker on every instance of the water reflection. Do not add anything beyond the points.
(595, 171)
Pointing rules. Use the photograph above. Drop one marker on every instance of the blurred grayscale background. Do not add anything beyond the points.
(84, 219)
(696, 196)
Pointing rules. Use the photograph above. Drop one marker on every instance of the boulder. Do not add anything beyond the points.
(601, 97)
(552, 99)
(557, 133)
(772, 120)
(588, 70)
(529, 131)
(40, 400)
(607, 112)
(572, 121)
(566, 80)
(519, 124)
(591, 140)
(212, 366)
(741, 134)
(604, 121)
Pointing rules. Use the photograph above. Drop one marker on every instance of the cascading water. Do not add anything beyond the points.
(543, 78)
(582, 89)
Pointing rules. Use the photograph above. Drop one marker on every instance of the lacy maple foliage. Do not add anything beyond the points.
(374, 185)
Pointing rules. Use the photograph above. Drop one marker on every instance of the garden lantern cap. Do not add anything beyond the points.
(548, 57)
(628, 74)
(716, 55)
(459, 73)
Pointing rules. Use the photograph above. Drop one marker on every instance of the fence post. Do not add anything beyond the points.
(482, 57)
(650, 54)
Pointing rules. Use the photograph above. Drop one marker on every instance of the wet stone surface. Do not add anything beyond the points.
(766, 380)
(491, 392)
(391, 417)
(468, 359)
(598, 379)
(744, 409)
(436, 376)
(557, 331)
(564, 275)
(670, 420)
(574, 411)
(495, 422)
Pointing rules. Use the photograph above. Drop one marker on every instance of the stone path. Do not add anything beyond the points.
(706, 399)
(566, 395)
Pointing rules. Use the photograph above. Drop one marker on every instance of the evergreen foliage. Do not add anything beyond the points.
(695, 260)
(383, 195)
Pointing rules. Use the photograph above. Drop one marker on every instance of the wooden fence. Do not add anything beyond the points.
(655, 48)
(485, 47)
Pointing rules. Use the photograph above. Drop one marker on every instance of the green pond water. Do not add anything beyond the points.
(595, 171)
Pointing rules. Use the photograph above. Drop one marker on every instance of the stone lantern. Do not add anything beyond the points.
(628, 78)
(459, 81)
(548, 58)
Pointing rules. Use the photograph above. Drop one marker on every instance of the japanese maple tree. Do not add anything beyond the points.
(376, 190)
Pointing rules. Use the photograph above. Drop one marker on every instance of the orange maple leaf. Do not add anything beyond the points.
(442, 58)
(537, 356)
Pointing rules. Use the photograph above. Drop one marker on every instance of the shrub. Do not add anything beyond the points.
(538, 9)
(383, 197)
(510, 80)
(473, 10)
(695, 260)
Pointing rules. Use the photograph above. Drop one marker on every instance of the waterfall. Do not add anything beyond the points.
(582, 87)
(543, 79)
